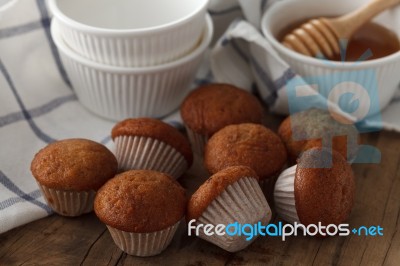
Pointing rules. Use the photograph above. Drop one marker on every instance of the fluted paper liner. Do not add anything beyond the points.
(241, 202)
(143, 244)
(136, 152)
(285, 204)
(197, 141)
(68, 203)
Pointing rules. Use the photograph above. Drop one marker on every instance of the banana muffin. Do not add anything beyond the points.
(229, 196)
(320, 188)
(146, 143)
(142, 210)
(252, 145)
(69, 172)
(211, 107)
(305, 130)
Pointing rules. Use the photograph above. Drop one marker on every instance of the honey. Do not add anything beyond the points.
(372, 37)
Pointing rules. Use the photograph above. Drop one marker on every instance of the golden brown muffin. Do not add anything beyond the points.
(310, 126)
(140, 201)
(211, 107)
(74, 164)
(323, 195)
(156, 129)
(251, 145)
(213, 187)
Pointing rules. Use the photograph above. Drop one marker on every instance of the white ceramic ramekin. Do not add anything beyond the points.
(117, 93)
(386, 69)
(133, 33)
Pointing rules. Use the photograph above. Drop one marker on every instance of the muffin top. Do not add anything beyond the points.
(213, 187)
(304, 130)
(156, 129)
(327, 194)
(209, 108)
(251, 145)
(140, 201)
(74, 164)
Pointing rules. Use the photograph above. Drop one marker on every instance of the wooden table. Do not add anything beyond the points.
(57, 240)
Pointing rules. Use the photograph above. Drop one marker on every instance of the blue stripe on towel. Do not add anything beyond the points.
(24, 28)
(38, 132)
(239, 51)
(11, 201)
(6, 182)
(44, 14)
(36, 112)
(287, 76)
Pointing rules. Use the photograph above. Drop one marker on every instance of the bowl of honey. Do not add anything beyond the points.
(371, 55)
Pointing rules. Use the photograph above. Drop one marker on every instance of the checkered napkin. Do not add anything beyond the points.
(38, 105)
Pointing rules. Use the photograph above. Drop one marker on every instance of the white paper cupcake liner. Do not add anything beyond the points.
(143, 244)
(197, 141)
(241, 202)
(285, 204)
(136, 152)
(68, 203)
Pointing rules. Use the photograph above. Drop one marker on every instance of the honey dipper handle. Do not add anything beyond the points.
(346, 25)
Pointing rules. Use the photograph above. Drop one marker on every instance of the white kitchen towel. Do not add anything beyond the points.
(38, 105)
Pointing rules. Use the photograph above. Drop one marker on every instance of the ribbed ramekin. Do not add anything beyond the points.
(118, 92)
(165, 33)
(383, 71)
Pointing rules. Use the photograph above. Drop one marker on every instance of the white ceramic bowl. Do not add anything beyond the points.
(117, 93)
(131, 33)
(386, 69)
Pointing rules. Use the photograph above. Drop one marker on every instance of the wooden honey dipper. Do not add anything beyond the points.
(320, 37)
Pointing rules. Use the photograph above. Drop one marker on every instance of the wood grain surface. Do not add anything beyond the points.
(57, 240)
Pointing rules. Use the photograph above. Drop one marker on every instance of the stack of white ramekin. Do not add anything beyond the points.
(131, 58)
